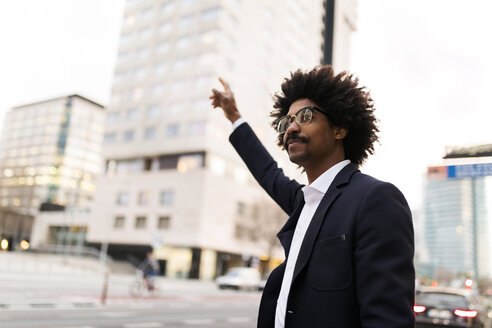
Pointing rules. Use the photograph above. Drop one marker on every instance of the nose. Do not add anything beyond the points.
(291, 129)
(293, 126)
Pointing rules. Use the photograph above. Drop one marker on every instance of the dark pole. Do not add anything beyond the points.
(329, 22)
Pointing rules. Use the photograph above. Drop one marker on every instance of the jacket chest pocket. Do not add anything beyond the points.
(330, 265)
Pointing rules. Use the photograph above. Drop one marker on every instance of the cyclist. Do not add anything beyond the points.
(150, 268)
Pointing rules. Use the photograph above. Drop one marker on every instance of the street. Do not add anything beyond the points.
(135, 314)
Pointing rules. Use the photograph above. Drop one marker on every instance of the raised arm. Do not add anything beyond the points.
(283, 190)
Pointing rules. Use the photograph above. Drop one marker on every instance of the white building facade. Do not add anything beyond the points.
(172, 181)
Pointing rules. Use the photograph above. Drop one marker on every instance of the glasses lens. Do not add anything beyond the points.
(304, 116)
(283, 124)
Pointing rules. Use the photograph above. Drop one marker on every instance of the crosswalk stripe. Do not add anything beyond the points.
(198, 321)
(238, 320)
(143, 325)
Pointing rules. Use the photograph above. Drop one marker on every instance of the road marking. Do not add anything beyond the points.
(238, 320)
(143, 325)
(117, 314)
(142, 305)
(198, 321)
(213, 305)
(179, 305)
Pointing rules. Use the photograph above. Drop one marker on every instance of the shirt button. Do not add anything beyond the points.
(290, 312)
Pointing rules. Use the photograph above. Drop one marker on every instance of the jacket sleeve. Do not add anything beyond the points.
(384, 249)
(264, 168)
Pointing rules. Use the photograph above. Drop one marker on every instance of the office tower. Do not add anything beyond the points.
(172, 181)
(50, 157)
(457, 220)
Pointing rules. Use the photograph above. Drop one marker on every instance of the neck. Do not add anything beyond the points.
(319, 167)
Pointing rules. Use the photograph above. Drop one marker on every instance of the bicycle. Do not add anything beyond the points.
(142, 285)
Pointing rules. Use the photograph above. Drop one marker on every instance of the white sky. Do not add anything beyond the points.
(426, 63)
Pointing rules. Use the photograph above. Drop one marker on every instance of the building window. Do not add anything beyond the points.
(208, 37)
(181, 63)
(196, 128)
(207, 58)
(109, 138)
(165, 28)
(140, 73)
(112, 118)
(140, 222)
(167, 162)
(123, 198)
(128, 135)
(168, 8)
(160, 69)
(184, 42)
(132, 114)
(163, 222)
(178, 85)
(145, 33)
(157, 90)
(187, 3)
(154, 111)
(186, 21)
(144, 198)
(166, 197)
(175, 108)
(150, 133)
(119, 222)
(142, 53)
(172, 130)
(145, 15)
(137, 93)
(241, 208)
(163, 47)
(210, 14)
(189, 162)
(129, 166)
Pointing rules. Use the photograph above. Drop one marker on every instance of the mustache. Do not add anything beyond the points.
(295, 137)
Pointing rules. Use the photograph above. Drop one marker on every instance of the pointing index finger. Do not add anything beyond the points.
(226, 86)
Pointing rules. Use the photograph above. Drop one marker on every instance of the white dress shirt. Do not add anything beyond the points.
(313, 194)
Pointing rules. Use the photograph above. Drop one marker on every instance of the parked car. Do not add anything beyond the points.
(262, 284)
(240, 278)
(447, 307)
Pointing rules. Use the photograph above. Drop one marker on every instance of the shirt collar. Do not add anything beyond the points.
(318, 187)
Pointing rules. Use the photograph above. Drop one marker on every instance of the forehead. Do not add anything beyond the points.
(298, 104)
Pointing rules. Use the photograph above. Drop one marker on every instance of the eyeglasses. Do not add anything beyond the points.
(303, 116)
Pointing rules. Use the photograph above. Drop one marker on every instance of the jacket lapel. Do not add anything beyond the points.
(286, 234)
(319, 216)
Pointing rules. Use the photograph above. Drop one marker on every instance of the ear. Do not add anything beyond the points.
(340, 133)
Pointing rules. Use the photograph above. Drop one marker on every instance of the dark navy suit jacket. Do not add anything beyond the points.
(355, 266)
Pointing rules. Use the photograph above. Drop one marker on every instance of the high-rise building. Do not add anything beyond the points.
(50, 155)
(172, 181)
(458, 227)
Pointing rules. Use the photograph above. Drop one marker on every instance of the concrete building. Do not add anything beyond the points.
(50, 155)
(172, 181)
(458, 226)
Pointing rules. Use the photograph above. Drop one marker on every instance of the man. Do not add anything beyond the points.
(349, 238)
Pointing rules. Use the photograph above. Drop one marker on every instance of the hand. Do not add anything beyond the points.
(226, 101)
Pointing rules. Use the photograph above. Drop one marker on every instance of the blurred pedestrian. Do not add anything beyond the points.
(349, 239)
